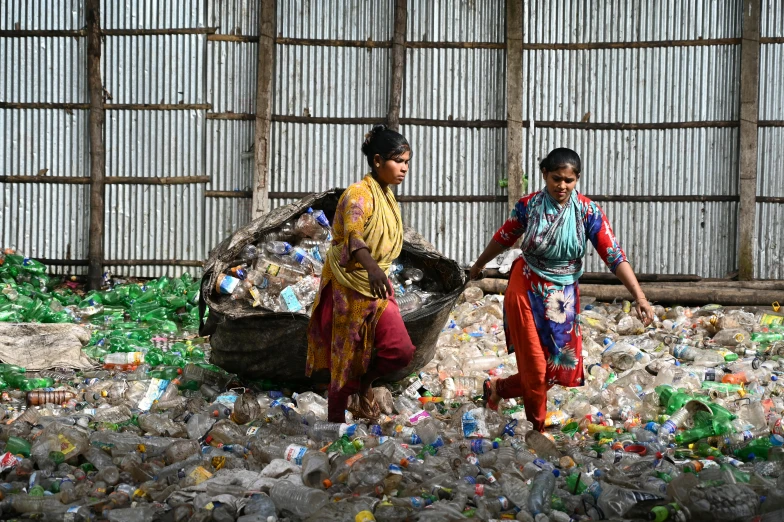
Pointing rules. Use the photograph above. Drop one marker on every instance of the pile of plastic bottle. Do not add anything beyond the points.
(680, 421)
(282, 272)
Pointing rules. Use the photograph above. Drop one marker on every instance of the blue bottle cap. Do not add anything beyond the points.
(751, 456)
(495, 445)
(774, 378)
(777, 440)
(607, 341)
(557, 473)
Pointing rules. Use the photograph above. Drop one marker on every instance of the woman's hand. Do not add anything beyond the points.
(379, 283)
(644, 311)
(476, 271)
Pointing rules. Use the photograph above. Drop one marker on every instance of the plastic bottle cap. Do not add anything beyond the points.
(597, 473)
(495, 445)
(607, 341)
(404, 463)
(326, 483)
(557, 473)
(774, 378)
(751, 456)
(659, 455)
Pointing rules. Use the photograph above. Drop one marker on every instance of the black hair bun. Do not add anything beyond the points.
(375, 131)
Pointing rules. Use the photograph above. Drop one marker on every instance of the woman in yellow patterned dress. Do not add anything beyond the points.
(356, 330)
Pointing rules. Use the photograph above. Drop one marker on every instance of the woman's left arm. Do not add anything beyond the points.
(598, 230)
(629, 280)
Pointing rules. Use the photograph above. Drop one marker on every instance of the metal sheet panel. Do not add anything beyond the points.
(670, 84)
(331, 81)
(674, 238)
(152, 14)
(772, 20)
(336, 19)
(456, 20)
(43, 69)
(458, 230)
(41, 14)
(460, 84)
(53, 141)
(223, 217)
(154, 222)
(231, 76)
(454, 161)
(769, 256)
(154, 69)
(771, 76)
(154, 143)
(642, 162)
(46, 221)
(234, 16)
(579, 21)
(230, 160)
(770, 169)
(316, 157)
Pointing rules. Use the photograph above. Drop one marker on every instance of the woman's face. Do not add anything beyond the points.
(393, 171)
(560, 183)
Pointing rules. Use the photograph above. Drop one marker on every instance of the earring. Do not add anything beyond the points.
(378, 165)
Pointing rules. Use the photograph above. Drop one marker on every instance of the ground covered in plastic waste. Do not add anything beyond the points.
(680, 421)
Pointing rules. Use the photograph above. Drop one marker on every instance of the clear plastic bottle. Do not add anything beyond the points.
(299, 500)
(315, 469)
(409, 302)
(277, 247)
(541, 490)
(672, 424)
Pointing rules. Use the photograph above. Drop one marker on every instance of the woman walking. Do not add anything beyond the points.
(542, 301)
(356, 330)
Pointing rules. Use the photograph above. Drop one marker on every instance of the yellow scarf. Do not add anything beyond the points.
(383, 235)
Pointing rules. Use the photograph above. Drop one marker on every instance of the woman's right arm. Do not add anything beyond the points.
(505, 237)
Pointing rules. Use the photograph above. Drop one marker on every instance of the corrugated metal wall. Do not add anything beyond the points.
(455, 84)
(770, 181)
(44, 220)
(658, 85)
(327, 81)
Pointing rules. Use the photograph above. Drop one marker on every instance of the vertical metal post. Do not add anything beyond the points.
(97, 150)
(514, 99)
(266, 70)
(749, 113)
(398, 65)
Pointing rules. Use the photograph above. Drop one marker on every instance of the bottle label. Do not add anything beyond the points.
(412, 390)
(416, 502)
(642, 496)
(290, 298)
(66, 446)
(273, 269)
(321, 218)
(504, 503)
(418, 417)
(227, 284)
(394, 469)
(154, 391)
(476, 446)
(479, 490)
(228, 399)
(679, 350)
(316, 254)
(294, 453)
(347, 430)
(199, 475)
(710, 374)
(669, 426)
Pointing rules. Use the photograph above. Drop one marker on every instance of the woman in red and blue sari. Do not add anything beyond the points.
(542, 301)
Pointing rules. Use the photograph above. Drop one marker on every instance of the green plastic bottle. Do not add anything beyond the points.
(18, 446)
(168, 373)
(757, 447)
